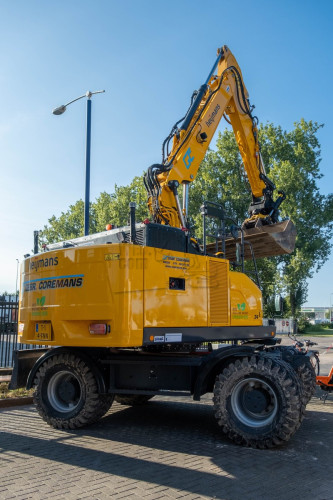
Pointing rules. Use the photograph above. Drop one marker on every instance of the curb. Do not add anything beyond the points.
(7, 403)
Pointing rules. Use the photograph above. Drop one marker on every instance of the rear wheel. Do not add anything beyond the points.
(66, 393)
(132, 399)
(307, 375)
(257, 402)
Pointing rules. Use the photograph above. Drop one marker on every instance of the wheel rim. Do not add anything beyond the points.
(64, 391)
(254, 402)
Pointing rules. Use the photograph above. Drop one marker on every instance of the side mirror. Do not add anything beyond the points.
(238, 253)
(278, 304)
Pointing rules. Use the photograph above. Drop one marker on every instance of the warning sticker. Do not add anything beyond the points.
(173, 337)
(159, 338)
(112, 256)
(176, 262)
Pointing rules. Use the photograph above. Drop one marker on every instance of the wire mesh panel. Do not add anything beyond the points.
(8, 330)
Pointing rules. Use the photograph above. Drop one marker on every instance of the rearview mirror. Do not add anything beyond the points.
(238, 253)
(278, 303)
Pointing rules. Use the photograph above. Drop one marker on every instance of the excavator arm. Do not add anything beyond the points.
(223, 94)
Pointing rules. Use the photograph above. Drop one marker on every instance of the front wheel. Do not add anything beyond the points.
(257, 402)
(66, 393)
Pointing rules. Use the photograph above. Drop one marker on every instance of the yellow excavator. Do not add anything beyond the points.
(147, 310)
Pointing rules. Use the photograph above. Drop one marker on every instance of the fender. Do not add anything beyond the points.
(69, 350)
(219, 355)
(292, 356)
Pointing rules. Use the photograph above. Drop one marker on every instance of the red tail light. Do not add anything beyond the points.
(98, 328)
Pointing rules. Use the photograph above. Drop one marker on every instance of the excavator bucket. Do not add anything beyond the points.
(266, 241)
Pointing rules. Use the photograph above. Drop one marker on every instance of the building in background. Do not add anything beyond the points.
(318, 314)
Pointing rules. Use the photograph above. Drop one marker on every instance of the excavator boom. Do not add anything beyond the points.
(223, 94)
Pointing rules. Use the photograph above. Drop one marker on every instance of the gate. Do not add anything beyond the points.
(8, 331)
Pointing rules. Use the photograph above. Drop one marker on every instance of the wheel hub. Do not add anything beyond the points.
(64, 391)
(254, 402)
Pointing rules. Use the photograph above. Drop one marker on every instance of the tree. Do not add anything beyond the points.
(294, 158)
(69, 225)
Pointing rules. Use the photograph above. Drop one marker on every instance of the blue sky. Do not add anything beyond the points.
(149, 56)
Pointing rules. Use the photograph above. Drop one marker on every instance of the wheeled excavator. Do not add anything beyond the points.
(149, 310)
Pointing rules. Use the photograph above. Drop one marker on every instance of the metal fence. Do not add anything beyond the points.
(8, 331)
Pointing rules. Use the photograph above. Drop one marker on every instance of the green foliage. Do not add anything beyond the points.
(123, 195)
(68, 225)
(302, 324)
(319, 329)
(293, 160)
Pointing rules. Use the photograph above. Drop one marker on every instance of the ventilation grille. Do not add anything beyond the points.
(218, 292)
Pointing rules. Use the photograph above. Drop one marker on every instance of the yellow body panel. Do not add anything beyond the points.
(127, 287)
(164, 307)
(246, 302)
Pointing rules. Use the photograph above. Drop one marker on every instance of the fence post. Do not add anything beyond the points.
(8, 330)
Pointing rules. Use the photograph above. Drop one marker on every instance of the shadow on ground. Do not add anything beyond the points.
(178, 445)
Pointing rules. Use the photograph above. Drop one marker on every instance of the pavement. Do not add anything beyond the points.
(169, 448)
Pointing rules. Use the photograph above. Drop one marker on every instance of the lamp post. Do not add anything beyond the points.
(59, 111)
(331, 307)
(17, 268)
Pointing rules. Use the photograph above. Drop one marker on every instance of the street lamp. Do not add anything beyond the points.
(59, 111)
(17, 268)
(331, 307)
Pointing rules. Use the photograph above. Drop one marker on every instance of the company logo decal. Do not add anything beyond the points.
(240, 312)
(212, 117)
(73, 281)
(38, 308)
(34, 265)
(187, 159)
(41, 301)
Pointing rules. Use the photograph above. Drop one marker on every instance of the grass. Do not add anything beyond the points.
(318, 330)
(5, 393)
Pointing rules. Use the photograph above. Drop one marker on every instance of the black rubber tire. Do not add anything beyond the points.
(132, 399)
(299, 387)
(276, 388)
(66, 393)
(307, 376)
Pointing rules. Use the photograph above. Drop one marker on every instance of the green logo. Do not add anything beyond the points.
(241, 307)
(41, 301)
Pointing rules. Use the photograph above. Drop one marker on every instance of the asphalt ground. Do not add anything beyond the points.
(169, 448)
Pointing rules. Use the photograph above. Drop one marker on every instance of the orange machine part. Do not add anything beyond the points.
(326, 381)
